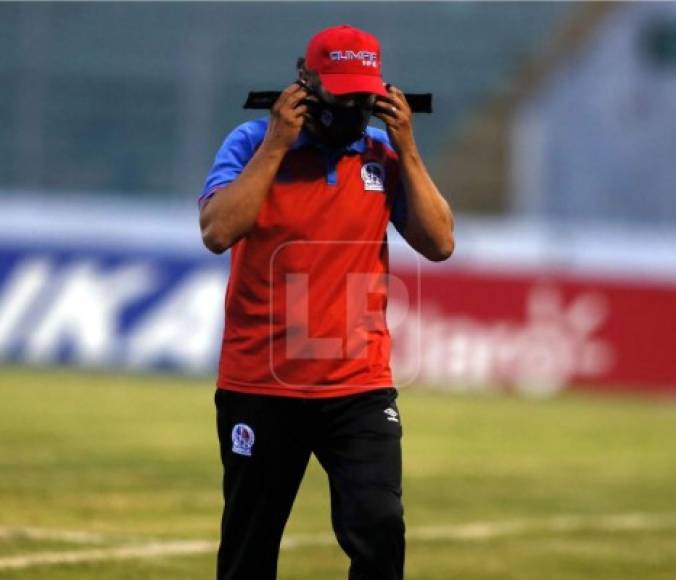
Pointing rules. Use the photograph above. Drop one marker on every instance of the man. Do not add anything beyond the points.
(303, 199)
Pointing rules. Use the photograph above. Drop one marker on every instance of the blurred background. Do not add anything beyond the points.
(553, 137)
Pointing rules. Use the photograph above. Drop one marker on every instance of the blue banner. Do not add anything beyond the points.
(101, 307)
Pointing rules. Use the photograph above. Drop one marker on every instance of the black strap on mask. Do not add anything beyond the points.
(419, 102)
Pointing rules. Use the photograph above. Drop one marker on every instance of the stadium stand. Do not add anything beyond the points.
(109, 100)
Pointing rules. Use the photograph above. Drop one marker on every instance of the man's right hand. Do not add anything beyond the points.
(233, 209)
(286, 118)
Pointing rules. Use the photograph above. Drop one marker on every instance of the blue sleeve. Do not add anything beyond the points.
(233, 155)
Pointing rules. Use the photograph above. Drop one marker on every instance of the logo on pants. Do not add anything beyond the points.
(242, 439)
(392, 415)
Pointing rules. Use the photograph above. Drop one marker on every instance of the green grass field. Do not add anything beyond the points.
(576, 487)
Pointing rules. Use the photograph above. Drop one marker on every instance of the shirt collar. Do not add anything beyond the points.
(305, 140)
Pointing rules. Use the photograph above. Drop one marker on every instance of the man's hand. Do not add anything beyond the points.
(395, 112)
(429, 219)
(286, 118)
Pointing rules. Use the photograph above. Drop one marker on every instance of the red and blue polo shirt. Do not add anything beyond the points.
(307, 294)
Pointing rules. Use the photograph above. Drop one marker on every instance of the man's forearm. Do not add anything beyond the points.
(232, 211)
(429, 219)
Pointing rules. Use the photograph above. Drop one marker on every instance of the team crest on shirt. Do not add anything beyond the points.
(373, 176)
(242, 439)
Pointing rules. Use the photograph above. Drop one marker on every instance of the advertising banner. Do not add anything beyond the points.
(103, 308)
(453, 328)
(538, 334)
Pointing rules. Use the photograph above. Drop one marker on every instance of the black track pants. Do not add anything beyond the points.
(266, 444)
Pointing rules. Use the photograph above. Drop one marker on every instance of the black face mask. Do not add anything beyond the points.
(335, 126)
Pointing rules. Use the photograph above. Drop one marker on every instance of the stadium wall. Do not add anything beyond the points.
(104, 285)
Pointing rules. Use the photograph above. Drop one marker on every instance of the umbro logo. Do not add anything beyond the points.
(392, 415)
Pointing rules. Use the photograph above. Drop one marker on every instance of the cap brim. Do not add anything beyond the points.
(342, 84)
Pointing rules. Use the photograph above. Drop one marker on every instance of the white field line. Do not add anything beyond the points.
(147, 550)
(70, 536)
(475, 531)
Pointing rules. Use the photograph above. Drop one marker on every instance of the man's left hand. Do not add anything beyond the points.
(396, 113)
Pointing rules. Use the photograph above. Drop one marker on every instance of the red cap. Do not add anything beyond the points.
(347, 60)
